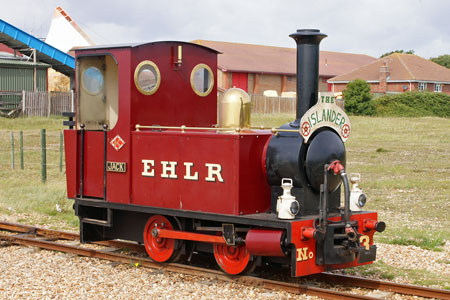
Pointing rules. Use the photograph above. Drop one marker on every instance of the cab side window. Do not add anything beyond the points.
(97, 94)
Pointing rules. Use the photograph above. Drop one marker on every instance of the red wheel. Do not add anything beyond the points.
(159, 249)
(233, 259)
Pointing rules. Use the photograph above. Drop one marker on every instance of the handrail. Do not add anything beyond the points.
(183, 128)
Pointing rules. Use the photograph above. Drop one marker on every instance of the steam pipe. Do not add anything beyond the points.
(346, 197)
(338, 168)
(323, 210)
(308, 41)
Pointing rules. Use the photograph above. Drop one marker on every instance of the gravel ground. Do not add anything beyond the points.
(412, 257)
(31, 273)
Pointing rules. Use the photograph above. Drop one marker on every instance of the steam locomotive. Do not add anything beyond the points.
(153, 157)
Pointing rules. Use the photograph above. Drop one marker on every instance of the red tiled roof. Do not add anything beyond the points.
(401, 67)
(250, 58)
(4, 48)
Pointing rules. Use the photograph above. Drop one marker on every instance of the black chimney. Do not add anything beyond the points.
(308, 41)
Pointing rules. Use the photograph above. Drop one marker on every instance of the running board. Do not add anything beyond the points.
(101, 216)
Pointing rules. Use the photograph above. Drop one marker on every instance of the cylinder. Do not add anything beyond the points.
(264, 242)
(308, 41)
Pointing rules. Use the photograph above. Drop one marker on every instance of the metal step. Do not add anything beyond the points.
(106, 223)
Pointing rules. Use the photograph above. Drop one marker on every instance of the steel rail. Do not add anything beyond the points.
(64, 235)
(406, 289)
(185, 269)
(192, 270)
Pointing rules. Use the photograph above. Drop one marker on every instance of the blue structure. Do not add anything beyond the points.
(21, 41)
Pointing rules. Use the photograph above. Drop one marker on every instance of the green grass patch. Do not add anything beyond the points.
(388, 272)
(423, 239)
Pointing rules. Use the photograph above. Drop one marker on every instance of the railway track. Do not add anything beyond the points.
(51, 240)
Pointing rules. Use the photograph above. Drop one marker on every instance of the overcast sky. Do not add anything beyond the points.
(370, 27)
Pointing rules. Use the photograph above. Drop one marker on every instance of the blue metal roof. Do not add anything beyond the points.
(21, 41)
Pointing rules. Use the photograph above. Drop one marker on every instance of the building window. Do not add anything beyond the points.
(438, 87)
(422, 86)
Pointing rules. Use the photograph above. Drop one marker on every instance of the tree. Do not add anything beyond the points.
(443, 60)
(358, 99)
(398, 51)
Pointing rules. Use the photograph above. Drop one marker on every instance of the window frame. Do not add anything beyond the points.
(137, 70)
(211, 86)
(438, 87)
(422, 86)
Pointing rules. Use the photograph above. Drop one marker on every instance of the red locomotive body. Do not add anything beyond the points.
(147, 162)
(215, 173)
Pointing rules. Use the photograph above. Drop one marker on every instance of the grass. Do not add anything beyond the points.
(415, 276)
(53, 123)
(403, 164)
(424, 242)
(22, 192)
(404, 170)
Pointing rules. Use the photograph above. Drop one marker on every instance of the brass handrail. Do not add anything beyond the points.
(183, 128)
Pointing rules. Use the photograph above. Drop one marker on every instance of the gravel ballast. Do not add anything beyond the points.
(32, 273)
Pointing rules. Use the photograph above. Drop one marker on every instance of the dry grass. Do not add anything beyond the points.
(403, 163)
(22, 192)
(405, 172)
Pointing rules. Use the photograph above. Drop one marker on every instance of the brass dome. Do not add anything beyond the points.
(234, 109)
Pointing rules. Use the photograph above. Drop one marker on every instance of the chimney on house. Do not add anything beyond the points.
(384, 77)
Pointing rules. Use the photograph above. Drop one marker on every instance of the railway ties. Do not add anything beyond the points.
(69, 243)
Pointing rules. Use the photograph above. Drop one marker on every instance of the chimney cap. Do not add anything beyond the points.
(308, 33)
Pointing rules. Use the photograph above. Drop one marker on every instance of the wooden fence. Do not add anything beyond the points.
(44, 104)
(268, 105)
(274, 105)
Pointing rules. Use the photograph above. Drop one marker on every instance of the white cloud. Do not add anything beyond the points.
(370, 27)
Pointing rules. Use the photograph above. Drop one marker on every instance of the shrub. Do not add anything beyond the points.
(443, 60)
(358, 99)
(414, 104)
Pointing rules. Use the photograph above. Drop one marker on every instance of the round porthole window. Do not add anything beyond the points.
(202, 80)
(93, 80)
(147, 77)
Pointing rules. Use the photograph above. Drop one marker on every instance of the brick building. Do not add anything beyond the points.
(256, 68)
(398, 73)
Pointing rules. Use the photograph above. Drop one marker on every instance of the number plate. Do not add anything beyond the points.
(118, 167)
